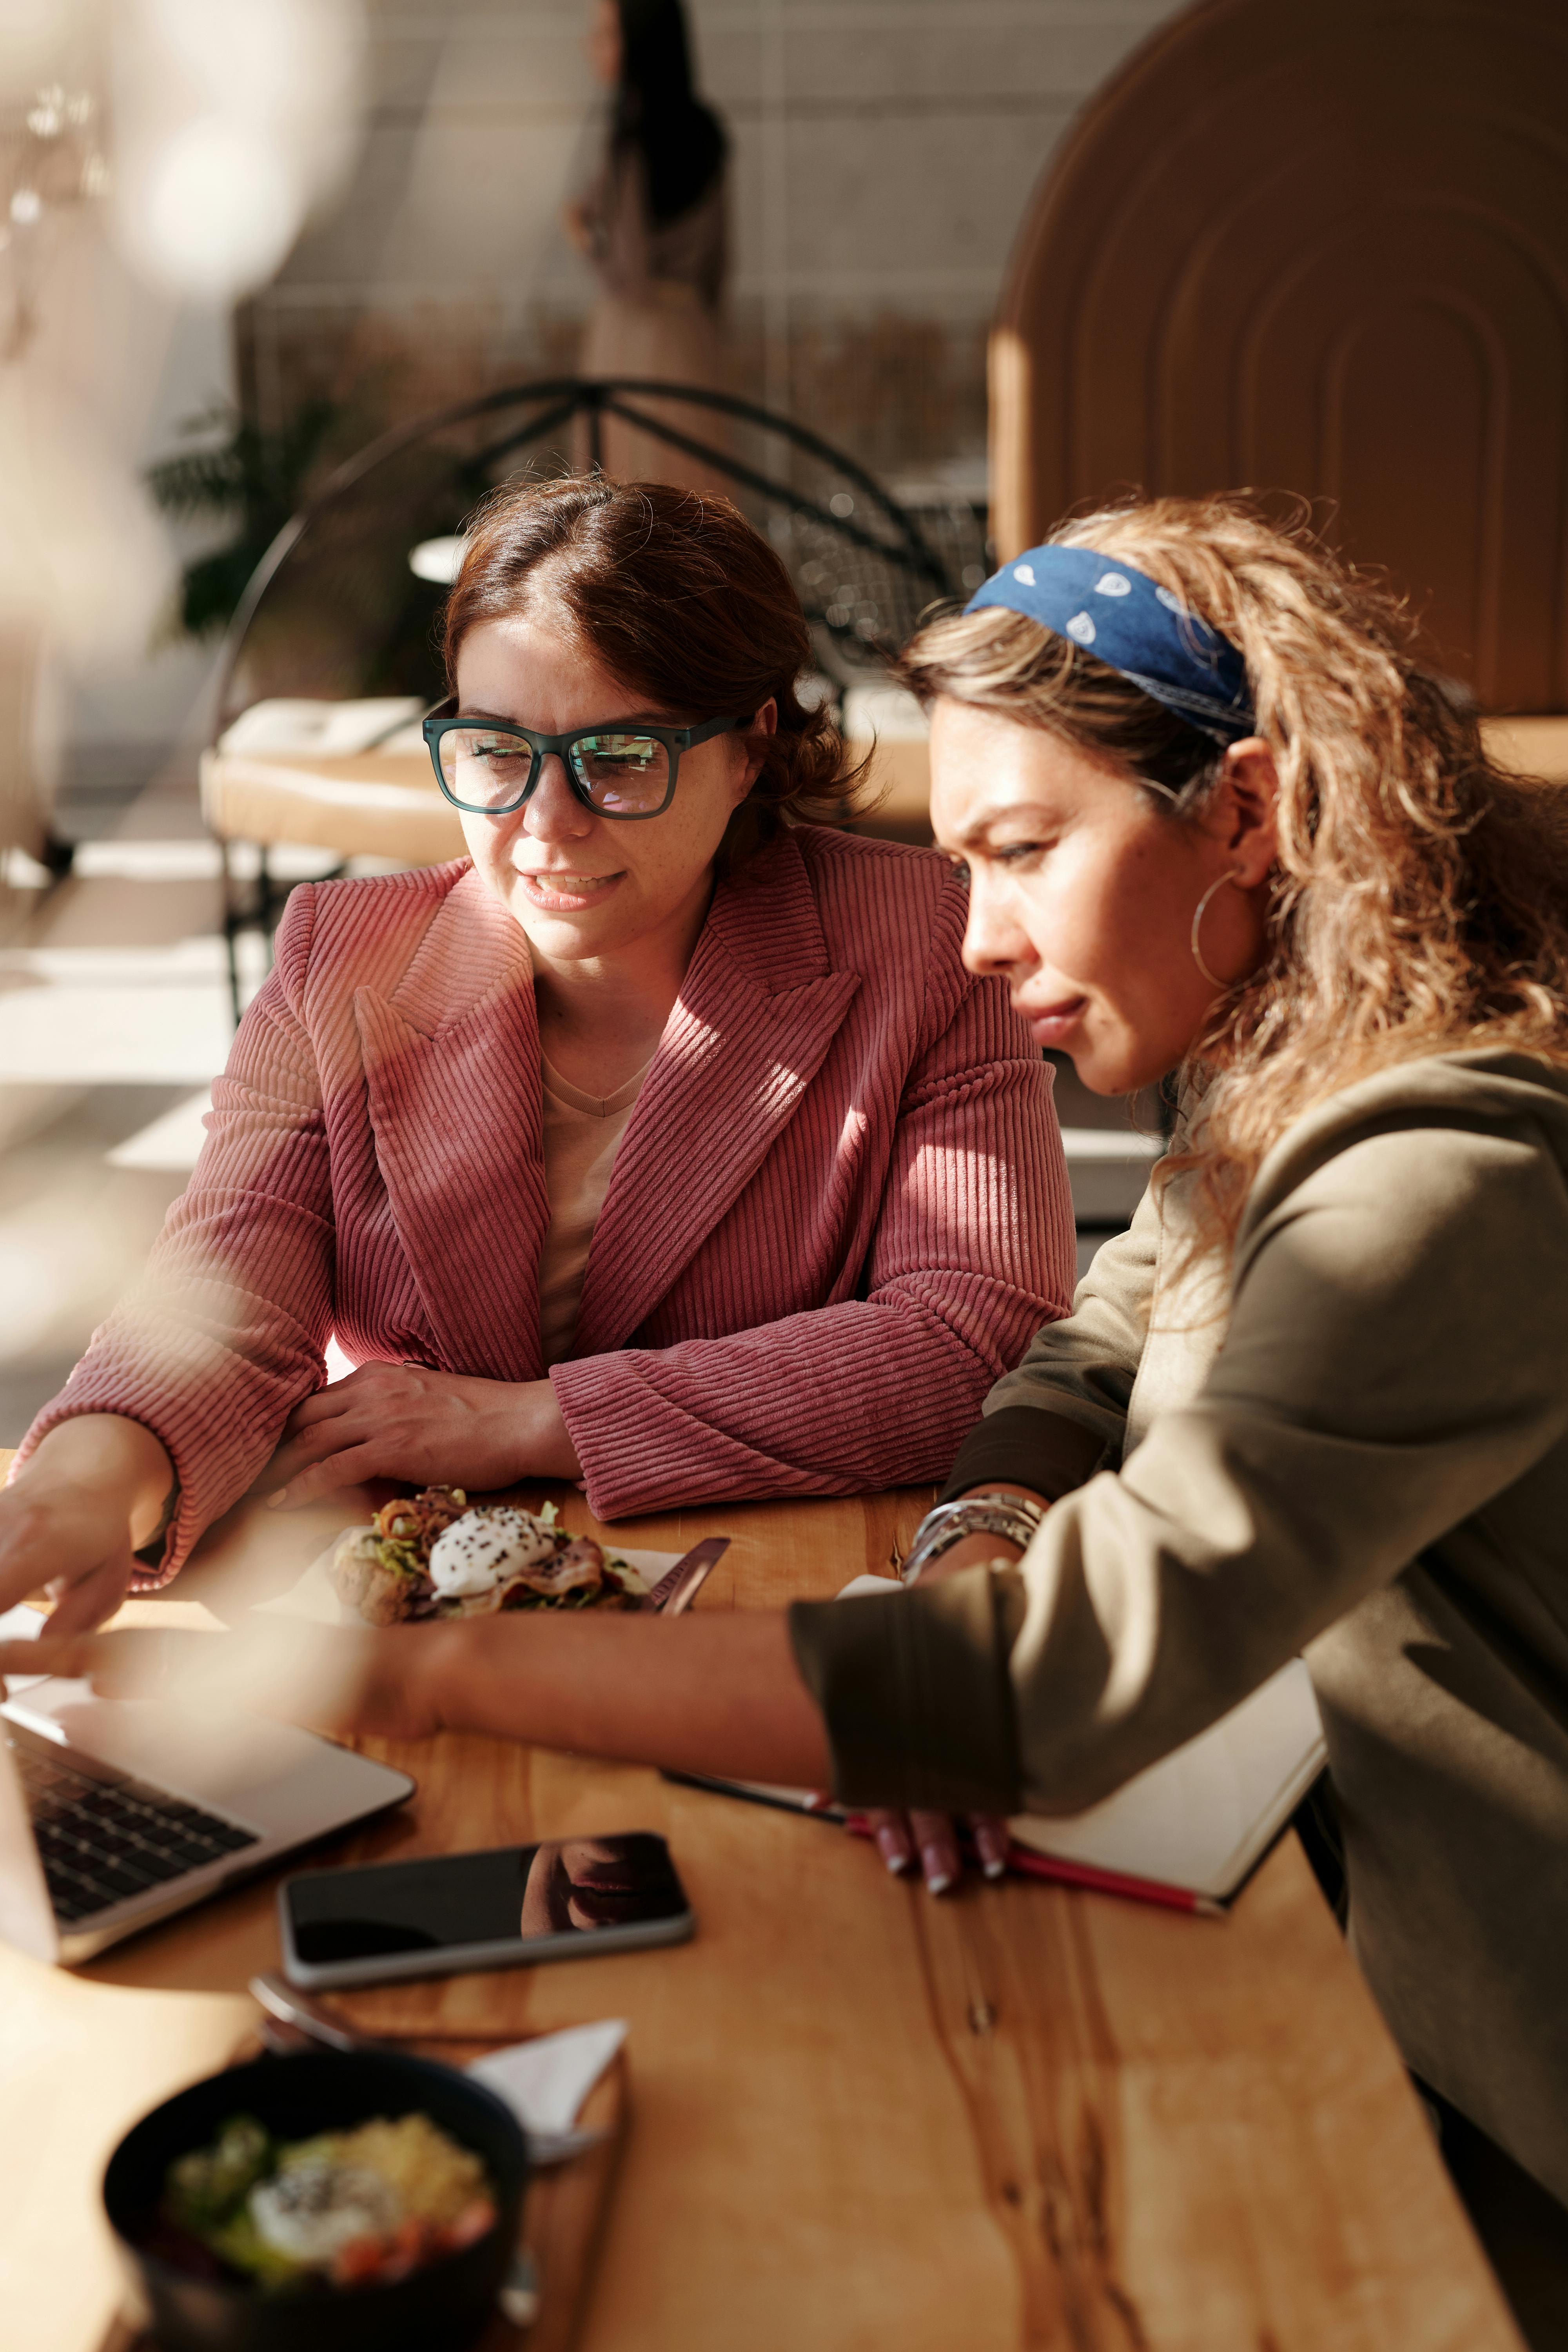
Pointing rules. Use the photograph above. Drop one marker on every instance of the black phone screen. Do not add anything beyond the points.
(511, 1893)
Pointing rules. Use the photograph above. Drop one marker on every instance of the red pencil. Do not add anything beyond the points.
(1111, 1882)
(1030, 1864)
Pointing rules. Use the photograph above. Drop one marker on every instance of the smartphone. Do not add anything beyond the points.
(452, 1912)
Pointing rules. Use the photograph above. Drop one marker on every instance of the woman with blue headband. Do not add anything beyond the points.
(1218, 822)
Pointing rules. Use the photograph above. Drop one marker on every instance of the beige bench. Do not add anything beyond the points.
(355, 777)
(383, 802)
(380, 803)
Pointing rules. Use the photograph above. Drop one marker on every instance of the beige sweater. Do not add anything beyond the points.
(1363, 1455)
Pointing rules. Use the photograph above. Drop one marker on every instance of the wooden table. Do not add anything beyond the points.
(1017, 2117)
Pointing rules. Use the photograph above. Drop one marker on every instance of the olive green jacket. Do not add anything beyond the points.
(1358, 1450)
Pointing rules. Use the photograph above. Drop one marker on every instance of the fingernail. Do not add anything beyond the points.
(894, 1851)
(938, 1877)
(992, 1846)
(280, 1496)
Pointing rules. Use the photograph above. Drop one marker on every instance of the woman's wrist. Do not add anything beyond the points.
(432, 1660)
(1001, 1516)
(551, 1450)
(109, 1455)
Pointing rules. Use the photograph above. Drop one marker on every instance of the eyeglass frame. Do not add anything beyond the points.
(443, 720)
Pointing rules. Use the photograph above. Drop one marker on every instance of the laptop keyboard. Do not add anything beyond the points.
(101, 1841)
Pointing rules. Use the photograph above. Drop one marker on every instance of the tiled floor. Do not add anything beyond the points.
(115, 1018)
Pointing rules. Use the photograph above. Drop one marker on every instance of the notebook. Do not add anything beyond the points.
(1189, 1828)
(1203, 1816)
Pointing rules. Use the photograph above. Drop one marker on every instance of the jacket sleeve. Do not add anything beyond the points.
(971, 1250)
(226, 1331)
(1396, 1356)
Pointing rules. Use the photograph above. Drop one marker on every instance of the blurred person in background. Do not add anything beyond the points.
(653, 223)
(663, 1143)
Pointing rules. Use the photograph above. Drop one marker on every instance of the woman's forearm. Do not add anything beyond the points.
(110, 1456)
(715, 1692)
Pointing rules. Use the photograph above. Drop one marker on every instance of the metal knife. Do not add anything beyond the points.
(677, 1589)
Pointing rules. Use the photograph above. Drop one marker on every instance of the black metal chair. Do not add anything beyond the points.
(334, 610)
(864, 566)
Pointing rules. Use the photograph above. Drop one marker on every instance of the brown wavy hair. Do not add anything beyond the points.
(1420, 895)
(680, 600)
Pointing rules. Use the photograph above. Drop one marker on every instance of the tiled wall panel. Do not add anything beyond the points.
(883, 152)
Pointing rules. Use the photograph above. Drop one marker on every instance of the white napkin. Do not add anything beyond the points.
(544, 2082)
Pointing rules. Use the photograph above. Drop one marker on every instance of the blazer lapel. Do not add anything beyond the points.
(451, 1062)
(756, 1013)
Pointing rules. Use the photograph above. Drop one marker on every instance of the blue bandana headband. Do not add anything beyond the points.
(1132, 623)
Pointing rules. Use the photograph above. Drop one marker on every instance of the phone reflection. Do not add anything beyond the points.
(502, 1901)
(582, 1885)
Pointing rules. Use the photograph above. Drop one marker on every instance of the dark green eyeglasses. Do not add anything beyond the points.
(616, 771)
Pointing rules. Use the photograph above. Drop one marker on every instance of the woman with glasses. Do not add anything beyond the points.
(664, 1143)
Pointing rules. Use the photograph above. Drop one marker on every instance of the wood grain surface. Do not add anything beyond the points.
(1022, 2117)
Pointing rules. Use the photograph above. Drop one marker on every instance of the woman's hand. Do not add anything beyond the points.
(398, 1420)
(70, 1519)
(932, 1840)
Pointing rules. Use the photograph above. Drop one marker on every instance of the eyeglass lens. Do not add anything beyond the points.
(624, 774)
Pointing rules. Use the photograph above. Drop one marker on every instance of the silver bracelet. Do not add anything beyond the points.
(1013, 1516)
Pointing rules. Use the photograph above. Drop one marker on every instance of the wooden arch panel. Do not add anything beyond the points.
(1321, 246)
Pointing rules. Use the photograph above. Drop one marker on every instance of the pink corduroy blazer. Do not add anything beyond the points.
(840, 1212)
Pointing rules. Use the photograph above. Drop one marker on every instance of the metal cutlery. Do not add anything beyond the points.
(676, 1590)
(291, 2018)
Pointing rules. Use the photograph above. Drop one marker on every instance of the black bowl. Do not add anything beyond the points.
(447, 2303)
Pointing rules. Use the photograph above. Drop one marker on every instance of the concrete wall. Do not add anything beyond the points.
(883, 150)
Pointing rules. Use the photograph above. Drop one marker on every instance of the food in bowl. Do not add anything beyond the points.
(357, 2207)
(200, 2302)
(433, 1555)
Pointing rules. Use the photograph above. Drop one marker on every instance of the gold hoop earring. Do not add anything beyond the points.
(1212, 977)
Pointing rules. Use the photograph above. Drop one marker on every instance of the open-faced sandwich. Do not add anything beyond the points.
(436, 1556)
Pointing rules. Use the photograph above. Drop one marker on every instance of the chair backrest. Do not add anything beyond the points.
(1319, 246)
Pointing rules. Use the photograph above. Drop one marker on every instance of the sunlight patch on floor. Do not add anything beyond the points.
(114, 1035)
(120, 1015)
(1110, 1143)
(57, 1272)
(173, 1142)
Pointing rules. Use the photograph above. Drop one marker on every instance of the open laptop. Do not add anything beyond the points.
(116, 1813)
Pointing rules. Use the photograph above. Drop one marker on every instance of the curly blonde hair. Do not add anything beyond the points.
(1420, 894)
